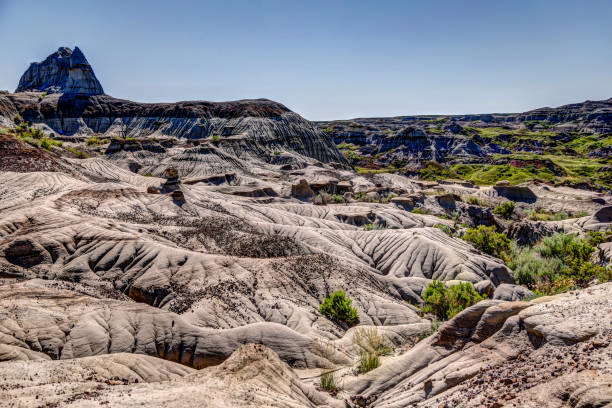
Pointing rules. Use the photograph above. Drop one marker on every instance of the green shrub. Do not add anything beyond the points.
(338, 306)
(79, 153)
(475, 201)
(328, 382)
(446, 302)
(445, 228)
(555, 246)
(597, 237)
(532, 270)
(489, 241)
(215, 139)
(48, 143)
(95, 141)
(420, 211)
(542, 215)
(505, 210)
(338, 198)
(362, 196)
(559, 263)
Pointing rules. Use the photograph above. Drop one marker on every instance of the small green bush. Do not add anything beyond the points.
(445, 228)
(445, 302)
(475, 201)
(555, 246)
(489, 241)
(433, 327)
(559, 263)
(328, 382)
(96, 141)
(362, 196)
(47, 143)
(541, 215)
(79, 153)
(338, 306)
(215, 139)
(338, 198)
(420, 211)
(505, 210)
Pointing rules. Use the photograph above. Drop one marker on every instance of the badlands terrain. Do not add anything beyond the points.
(177, 254)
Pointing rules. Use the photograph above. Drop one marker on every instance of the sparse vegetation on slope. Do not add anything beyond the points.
(559, 263)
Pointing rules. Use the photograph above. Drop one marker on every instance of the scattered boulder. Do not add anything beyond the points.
(403, 201)
(510, 292)
(604, 214)
(302, 190)
(527, 232)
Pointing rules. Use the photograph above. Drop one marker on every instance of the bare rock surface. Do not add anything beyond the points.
(64, 71)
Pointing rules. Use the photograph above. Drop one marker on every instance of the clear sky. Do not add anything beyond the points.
(327, 59)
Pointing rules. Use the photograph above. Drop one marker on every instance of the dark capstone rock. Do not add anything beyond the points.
(64, 71)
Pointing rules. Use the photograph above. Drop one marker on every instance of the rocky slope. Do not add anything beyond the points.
(568, 145)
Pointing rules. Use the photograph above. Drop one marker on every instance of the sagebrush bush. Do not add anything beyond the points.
(489, 241)
(559, 263)
(339, 306)
(530, 268)
(446, 302)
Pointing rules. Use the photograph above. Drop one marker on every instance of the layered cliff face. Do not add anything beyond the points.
(64, 71)
(72, 104)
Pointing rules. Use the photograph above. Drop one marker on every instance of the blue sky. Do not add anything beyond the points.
(327, 59)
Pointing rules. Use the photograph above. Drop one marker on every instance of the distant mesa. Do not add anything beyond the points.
(64, 71)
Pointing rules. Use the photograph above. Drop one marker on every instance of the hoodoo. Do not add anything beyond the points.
(64, 71)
